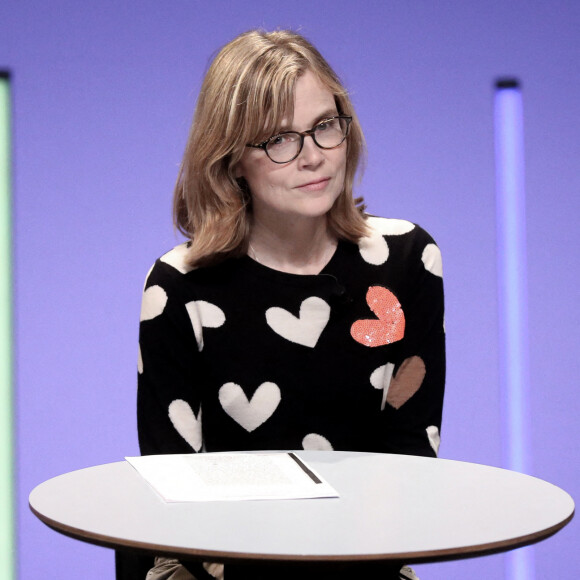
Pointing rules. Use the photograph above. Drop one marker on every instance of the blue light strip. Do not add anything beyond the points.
(512, 295)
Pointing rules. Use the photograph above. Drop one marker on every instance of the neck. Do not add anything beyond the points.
(296, 248)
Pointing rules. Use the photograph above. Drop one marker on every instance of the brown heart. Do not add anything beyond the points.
(406, 382)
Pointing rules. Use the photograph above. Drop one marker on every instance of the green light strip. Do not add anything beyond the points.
(7, 527)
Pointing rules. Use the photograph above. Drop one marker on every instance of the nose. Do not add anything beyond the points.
(311, 154)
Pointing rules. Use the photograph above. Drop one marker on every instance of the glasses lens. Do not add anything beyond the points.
(284, 147)
(331, 133)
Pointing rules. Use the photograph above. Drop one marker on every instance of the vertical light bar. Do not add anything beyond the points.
(7, 535)
(512, 295)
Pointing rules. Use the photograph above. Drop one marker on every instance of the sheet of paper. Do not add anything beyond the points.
(231, 476)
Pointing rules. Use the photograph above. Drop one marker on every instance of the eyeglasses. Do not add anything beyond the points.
(285, 147)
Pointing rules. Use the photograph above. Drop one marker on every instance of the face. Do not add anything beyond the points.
(307, 187)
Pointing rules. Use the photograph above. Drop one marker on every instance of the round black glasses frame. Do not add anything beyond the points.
(302, 135)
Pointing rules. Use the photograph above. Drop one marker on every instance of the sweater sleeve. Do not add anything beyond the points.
(414, 400)
(169, 379)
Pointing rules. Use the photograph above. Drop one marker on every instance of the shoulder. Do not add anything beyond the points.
(170, 268)
(166, 278)
(392, 227)
(172, 276)
(389, 226)
(399, 239)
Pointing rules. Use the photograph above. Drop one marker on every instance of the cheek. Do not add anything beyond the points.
(266, 180)
(257, 170)
(250, 165)
(340, 156)
(341, 166)
(260, 185)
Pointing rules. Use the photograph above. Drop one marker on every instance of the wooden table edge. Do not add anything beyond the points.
(446, 554)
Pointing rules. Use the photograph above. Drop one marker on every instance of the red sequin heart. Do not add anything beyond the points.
(390, 326)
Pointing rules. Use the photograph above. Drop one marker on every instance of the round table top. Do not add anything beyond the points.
(391, 507)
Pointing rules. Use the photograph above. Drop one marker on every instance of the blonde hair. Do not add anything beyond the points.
(247, 91)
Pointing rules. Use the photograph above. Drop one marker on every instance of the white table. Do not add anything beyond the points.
(392, 508)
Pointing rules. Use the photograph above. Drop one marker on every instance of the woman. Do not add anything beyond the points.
(290, 319)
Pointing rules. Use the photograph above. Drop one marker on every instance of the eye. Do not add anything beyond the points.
(277, 140)
(327, 124)
(283, 139)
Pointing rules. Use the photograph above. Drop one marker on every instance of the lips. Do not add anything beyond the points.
(315, 185)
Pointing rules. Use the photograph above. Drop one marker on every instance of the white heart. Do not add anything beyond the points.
(434, 438)
(381, 379)
(376, 377)
(374, 249)
(204, 315)
(186, 423)
(177, 258)
(250, 414)
(390, 226)
(307, 328)
(432, 260)
(316, 442)
(153, 303)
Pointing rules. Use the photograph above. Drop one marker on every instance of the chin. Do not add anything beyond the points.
(319, 205)
(316, 210)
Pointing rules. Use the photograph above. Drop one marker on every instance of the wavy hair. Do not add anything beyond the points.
(247, 92)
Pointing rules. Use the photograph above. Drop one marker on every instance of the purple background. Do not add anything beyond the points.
(103, 96)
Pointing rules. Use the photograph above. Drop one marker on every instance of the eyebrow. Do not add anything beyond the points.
(333, 112)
